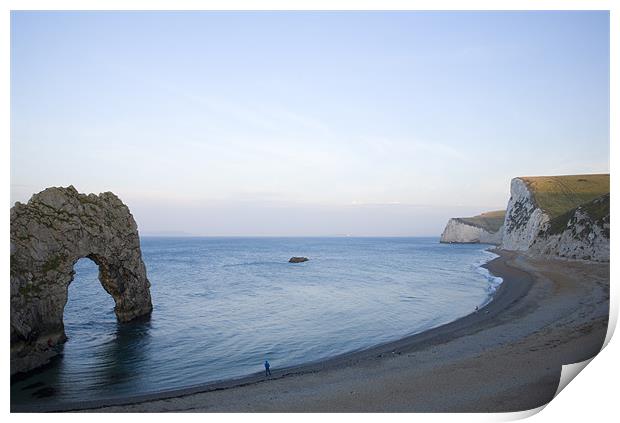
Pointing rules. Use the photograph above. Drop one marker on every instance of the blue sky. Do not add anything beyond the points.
(308, 123)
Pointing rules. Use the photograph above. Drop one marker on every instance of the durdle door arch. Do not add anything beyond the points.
(49, 234)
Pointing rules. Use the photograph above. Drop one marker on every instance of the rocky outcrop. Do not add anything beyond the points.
(49, 234)
(297, 259)
(582, 233)
(485, 229)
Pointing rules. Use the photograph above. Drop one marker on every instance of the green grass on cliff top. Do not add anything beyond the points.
(557, 195)
(489, 221)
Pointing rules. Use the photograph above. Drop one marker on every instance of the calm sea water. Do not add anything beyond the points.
(224, 305)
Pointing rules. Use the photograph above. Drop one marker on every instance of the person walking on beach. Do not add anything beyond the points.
(267, 371)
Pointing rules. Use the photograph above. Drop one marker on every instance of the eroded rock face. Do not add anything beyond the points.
(582, 234)
(49, 235)
(524, 219)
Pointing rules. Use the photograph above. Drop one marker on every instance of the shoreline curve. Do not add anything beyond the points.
(516, 283)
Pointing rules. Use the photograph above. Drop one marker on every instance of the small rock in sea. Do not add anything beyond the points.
(298, 259)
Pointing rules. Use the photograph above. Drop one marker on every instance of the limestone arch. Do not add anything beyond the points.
(49, 234)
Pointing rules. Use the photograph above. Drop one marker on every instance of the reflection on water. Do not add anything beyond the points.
(111, 363)
(131, 340)
(224, 305)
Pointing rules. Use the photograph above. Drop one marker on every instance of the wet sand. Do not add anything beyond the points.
(505, 357)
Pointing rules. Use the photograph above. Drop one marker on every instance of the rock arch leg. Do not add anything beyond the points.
(121, 283)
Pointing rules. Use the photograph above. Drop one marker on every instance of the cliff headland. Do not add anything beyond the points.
(558, 216)
(486, 228)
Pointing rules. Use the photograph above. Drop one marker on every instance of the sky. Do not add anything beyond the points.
(305, 123)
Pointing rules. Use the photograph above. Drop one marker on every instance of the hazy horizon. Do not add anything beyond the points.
(305, 123)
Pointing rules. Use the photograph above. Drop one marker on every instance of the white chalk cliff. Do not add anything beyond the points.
(558, 216)
(524, 219)
(582, 233)
(460, 231)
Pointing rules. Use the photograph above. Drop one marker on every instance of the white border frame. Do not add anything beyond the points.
(590, 397)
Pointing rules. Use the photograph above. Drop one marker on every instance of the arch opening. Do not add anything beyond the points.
(89, 308)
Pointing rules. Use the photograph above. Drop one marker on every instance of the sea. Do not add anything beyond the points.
(222, 306)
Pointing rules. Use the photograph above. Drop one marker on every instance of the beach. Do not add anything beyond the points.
(505, 357)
